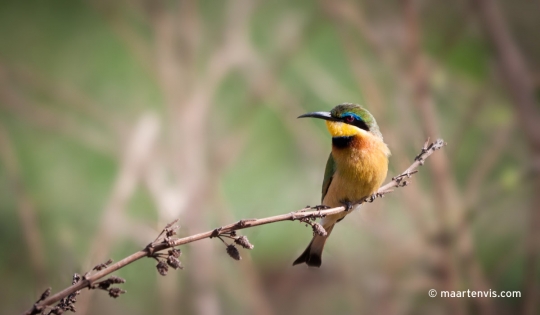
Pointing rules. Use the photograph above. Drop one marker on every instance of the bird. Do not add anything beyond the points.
(355, 169)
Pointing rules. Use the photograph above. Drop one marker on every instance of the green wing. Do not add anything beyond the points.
(328, 174)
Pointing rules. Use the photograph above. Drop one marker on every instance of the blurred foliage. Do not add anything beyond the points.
(76, 77)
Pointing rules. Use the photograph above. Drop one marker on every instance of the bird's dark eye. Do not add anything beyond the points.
(349, 119)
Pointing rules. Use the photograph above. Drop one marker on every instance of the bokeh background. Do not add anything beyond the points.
(117, 117)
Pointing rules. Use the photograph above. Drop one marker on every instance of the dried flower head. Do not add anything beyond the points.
(76, 278)
(174, 262)
(105, 284)
(115, 292)
(66, 304)
(233, 252)
(318, 229)
(115, 279)
(171, 231)
(244, 242)
(44, 295)
(175, 252)
(162, 268)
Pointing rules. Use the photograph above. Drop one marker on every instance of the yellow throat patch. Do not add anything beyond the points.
(339, 129)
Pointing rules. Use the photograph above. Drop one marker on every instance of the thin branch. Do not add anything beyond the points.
(164, 240)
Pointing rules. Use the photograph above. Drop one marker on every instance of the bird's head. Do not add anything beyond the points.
(346, 120)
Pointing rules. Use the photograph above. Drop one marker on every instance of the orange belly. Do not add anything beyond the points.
(361, 170)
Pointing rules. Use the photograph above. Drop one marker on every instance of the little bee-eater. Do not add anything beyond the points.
(356, 167)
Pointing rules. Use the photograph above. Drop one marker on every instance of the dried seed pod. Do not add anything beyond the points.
(115, 279)
(244, 242)
(115, 292)
(162, 268)
(233, 252)
(103, 285)
(174, 262)
(318, 229)
(175, 252)
(171, 231)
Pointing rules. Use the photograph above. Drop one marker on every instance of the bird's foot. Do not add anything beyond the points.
(348, 205)
(371, 198)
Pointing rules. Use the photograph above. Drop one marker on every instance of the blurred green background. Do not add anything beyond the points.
(118, 117)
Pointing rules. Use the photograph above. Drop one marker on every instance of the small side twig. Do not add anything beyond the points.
(103, 265)
(67, 303)
(106, 286)
(399, 180)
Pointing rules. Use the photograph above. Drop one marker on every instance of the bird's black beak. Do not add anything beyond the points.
(321, 115)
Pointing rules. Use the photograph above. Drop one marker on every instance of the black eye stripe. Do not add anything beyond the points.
(355, 121)
(361, 124)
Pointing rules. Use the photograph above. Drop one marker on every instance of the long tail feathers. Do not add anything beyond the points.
(312, 256)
